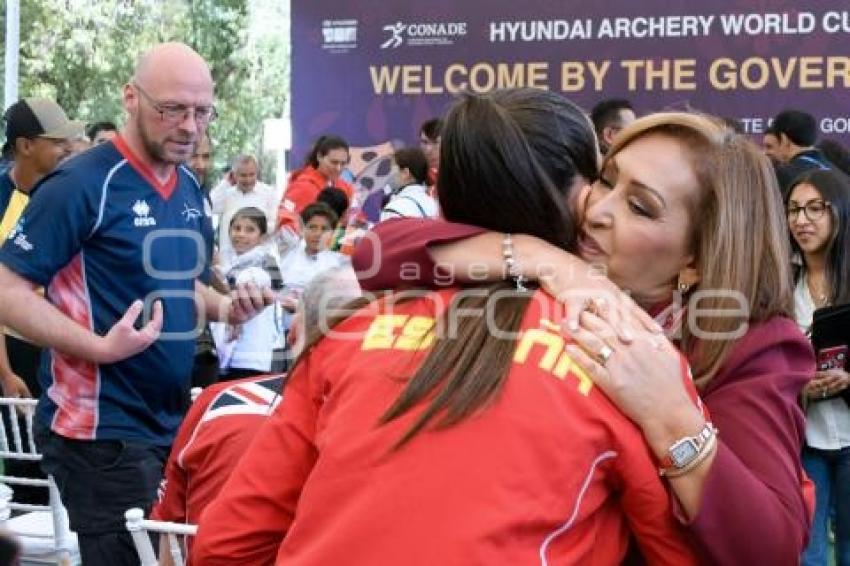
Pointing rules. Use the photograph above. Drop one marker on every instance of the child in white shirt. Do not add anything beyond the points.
(311, 256)
(410, 195)
(246, 349)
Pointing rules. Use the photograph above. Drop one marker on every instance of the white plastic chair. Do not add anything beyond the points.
(42, 530)
(140, 528)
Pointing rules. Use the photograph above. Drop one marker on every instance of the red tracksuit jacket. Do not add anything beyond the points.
(547, 473)
(305, 185)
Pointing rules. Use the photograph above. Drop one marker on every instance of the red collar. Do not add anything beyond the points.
(164, 189)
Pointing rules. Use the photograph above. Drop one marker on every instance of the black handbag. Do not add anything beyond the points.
(831, 339)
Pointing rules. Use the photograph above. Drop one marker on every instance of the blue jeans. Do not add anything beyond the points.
(830, 470)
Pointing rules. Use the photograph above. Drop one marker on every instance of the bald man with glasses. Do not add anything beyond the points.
(121, 229)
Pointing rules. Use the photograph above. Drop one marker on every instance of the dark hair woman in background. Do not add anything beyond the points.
(818, 207)
(322, 168)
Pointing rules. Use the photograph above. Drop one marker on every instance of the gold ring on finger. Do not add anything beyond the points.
(605, 354)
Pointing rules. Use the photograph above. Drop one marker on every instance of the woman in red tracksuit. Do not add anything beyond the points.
(322, 169)
(451, 427)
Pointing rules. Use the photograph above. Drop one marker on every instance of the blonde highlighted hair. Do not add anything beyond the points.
(738, 234)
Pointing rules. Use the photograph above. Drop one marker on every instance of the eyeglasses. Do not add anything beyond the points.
(173, 114)
(814, 210)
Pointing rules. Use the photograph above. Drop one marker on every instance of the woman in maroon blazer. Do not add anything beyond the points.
(686, 217)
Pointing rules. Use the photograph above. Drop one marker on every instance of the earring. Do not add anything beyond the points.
(683, 287)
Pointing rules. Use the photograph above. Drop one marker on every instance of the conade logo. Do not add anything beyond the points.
(419, 34)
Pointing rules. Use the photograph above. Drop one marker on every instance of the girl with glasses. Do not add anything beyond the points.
(818, 207)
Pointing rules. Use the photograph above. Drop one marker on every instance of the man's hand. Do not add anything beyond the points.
(14, 386)
(246, 300)
(289, 302)
(123, 340)
(234, 331)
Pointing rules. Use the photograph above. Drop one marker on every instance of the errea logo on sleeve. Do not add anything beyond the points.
(142, 211)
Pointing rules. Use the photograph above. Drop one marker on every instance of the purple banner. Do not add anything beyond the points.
(373, 71)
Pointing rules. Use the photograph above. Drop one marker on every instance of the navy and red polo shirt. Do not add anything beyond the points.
(99, 233)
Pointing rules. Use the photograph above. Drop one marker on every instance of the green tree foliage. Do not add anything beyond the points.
(81, 52)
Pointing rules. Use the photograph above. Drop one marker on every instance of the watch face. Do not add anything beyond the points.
(683, 452)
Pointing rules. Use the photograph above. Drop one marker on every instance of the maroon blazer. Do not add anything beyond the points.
(753, 510)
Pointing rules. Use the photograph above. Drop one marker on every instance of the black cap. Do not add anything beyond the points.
(38, 117)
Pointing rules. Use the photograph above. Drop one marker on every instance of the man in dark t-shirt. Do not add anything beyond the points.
(797, 133)
(120, 228)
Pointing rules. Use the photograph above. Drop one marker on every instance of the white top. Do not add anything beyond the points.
(297, 268)
(228, 199)
(258, 337)
(412, 201)
(827, 421)
(256, 342)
